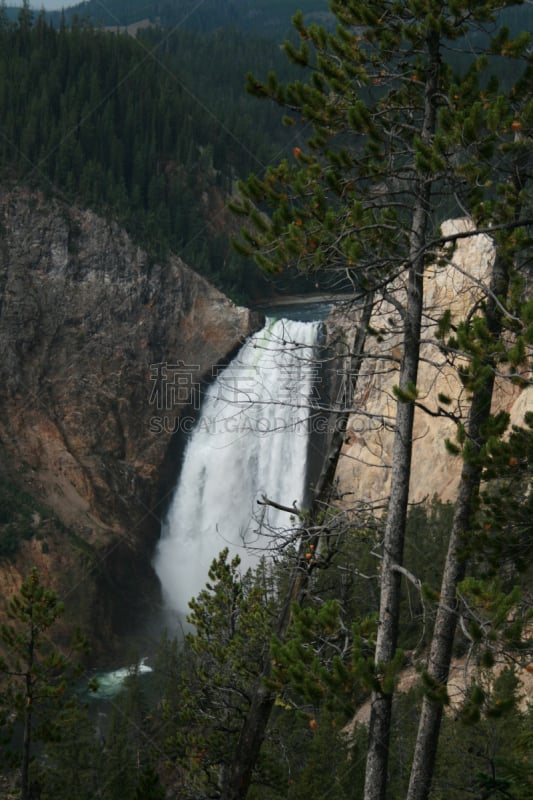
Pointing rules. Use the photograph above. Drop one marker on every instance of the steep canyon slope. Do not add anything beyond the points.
(102, 349)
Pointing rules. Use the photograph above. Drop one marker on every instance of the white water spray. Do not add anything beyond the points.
(250, 440)
(111, 683)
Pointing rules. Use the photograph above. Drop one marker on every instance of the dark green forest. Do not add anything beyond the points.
(154, 129)
(166, 734)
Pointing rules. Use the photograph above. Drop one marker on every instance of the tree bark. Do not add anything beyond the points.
(387, 635)
(441, 647)
(27, 719)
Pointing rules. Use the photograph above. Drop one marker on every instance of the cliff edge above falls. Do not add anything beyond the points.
(98, 340)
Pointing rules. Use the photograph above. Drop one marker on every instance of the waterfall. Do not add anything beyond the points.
(250, 440)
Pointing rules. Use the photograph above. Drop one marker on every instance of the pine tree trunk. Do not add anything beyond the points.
(27, 721)
(387, 637)
(26, 751)
(389, 613)
(441, 647)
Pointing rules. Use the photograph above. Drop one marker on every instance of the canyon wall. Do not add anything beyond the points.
(104, 349)
(363, 472)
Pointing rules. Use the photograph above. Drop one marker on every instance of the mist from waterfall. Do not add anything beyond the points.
(250, 440)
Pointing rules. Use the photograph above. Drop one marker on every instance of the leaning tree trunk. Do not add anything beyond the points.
(393, 544)
(238, 774)
(387, 636)
(440, 653)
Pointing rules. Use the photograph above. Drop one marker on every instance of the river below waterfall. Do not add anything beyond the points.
(250, 441)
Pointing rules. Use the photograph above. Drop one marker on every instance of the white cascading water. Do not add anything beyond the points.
(250, 440)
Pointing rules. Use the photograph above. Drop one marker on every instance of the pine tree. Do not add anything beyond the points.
(149, 786)
(35, 674)
(399, 139)
(223, 658)
(69, 764)
(132, 748)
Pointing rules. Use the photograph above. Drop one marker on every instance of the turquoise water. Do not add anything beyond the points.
(111, 683)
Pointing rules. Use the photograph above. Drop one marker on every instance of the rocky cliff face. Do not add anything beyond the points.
(102, 350)
(364, 468)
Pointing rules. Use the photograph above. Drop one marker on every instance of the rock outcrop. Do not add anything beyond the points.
(364, 468)
(102, 349)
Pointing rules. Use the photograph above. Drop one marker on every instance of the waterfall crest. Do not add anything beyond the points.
(250, 440)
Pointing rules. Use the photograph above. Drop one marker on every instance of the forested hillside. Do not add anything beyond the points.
(154, 130)
(270, 18)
